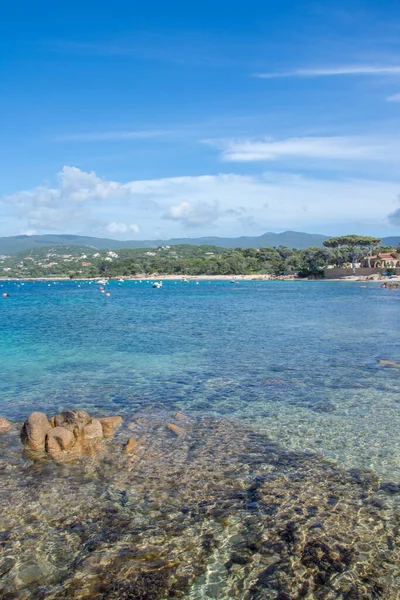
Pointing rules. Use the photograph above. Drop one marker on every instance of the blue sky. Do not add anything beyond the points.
(144, 120)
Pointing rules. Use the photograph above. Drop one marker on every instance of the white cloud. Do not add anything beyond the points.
(394, 98)
(78, 197)
(122, 228)
(333, 71)
(327, 148)
(85, 203)
(194, 214)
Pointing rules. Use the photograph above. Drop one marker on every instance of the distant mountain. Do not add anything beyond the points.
(21, 243)
(291, 239)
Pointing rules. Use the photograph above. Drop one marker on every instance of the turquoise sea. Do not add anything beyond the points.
(287, 407)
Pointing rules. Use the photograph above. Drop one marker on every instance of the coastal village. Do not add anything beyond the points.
(75, 262)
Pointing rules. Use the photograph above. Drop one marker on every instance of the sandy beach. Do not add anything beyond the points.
(230, 278)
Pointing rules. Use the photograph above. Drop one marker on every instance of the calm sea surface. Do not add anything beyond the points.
(297, 360)
(292, 362)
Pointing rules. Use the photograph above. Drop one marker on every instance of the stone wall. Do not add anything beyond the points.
(361, 272)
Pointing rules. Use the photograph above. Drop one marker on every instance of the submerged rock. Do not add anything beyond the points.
(180, 415)
(34, 431)
(388, 363)
(109, 425)
(130, 446)
(175, 429)
(4, 425)
(227, 513)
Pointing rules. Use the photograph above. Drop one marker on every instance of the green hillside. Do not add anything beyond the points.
(291, 239)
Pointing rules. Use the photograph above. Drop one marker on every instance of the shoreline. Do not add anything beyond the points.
(230, 278)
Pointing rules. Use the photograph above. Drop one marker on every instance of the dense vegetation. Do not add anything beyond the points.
(75, 261)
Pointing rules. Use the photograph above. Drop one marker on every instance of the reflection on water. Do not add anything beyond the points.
(218, 512)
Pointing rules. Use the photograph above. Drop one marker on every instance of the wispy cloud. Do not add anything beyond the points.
(394, 98)
(321, 148)
(107, 136)
(86, 203)
(357, 70)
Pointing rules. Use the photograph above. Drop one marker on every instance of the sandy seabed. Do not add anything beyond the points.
(218, 511)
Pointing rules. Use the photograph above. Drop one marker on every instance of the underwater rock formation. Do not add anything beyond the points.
(175, 429)
(221, 512)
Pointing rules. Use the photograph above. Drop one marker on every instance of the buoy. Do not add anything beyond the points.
(108, 294)
(5, 295)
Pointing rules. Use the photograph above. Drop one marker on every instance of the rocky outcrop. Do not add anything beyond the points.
(74, 420)
(5, 425)
(390, 286)
(34, 431)
(59, 440)
(68, 435)
(93, 431)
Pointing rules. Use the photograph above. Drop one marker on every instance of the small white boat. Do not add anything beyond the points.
(157, 284)
(121, 280)
(102, 281)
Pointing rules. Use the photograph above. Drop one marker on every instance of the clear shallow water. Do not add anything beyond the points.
(269, 374)
(297, 360)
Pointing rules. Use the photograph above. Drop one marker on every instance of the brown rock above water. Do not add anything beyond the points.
(109, 425)
(4, 425)
(74, 420)
(93, 430)
(34, 431)
(68, 435)
(59, 440)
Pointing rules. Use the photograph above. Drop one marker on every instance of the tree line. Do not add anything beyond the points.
(189, 260)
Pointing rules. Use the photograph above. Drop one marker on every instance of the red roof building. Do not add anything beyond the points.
(382, 260)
